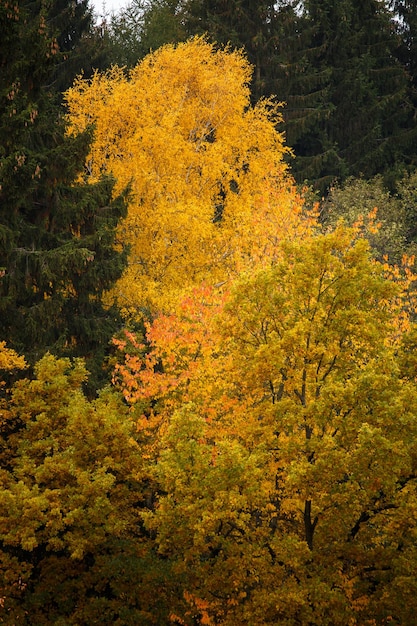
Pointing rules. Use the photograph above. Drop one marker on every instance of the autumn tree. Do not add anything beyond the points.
(210, 189)
(9, 360)
(288, 453)
(388, 216)
(73, 479)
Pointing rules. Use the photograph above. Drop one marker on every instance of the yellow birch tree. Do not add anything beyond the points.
(210, 191)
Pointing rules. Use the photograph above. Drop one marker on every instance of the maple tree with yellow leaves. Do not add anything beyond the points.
(281, 421)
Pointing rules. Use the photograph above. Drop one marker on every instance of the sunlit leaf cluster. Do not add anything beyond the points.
(210, 194)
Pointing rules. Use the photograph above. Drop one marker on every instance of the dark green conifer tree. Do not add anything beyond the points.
(406, 12)
(349, 110)
(57, 235)
(348, 94)
(248, 24)
(140, 27)
(80, 41)
(406, 24)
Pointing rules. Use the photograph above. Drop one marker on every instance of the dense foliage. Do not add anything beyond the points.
(57, 253)
(252, 458)
(286, 441)
(210, 189)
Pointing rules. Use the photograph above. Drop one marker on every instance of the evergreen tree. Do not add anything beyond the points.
(80, 40)
(57, 234)
(406, 11)
(251, 24)
(162, 23)
(336, 65)
(123, 35)
(406, 23)
(142, 27)
(351, 97)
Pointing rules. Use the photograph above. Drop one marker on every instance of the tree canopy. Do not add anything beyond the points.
(252, 458)
(57, 255)
(210, 189)
(286, 447)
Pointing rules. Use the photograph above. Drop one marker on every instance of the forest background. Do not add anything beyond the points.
(208, 390)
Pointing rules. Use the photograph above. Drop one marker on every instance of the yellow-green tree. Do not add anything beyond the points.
(210, 193)
(9, 360)
(72, 479)
(289, 455)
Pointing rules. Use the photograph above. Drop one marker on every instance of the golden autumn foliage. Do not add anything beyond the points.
(281, 417)
(72, 480)
(255, 462)
(210, 192)
(9, 359)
